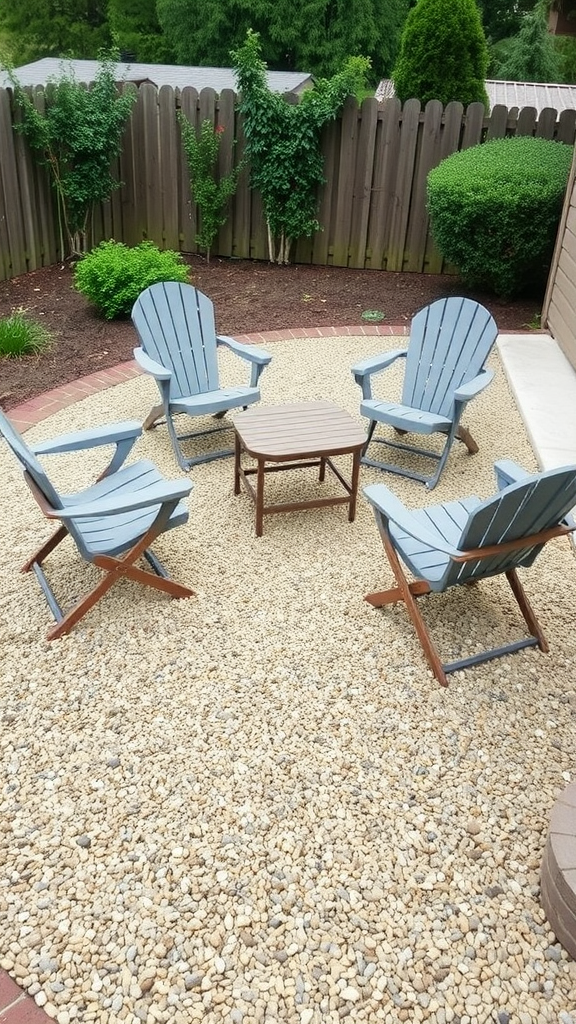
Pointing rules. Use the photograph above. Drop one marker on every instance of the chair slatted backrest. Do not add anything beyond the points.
(29, 462)
(450, 341)
(175, 325)
(535, 504)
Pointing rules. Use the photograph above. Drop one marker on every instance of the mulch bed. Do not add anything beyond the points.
(248, 296)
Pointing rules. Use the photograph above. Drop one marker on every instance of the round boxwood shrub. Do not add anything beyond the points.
(494, 210)
(113, 274)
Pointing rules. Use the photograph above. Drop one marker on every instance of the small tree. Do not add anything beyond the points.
(76, 138)
(210, 194)
(532, 56)
(283, 142)
(443, 53)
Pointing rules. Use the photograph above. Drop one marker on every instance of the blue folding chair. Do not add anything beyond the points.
(465, 541)
(178, 347)
(112, 523)
(450, 341)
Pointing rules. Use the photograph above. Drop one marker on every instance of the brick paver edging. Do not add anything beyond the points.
(37, 409)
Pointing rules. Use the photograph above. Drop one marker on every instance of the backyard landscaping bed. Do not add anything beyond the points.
(248, 296)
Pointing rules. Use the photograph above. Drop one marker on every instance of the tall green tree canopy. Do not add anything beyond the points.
(296, 35)
(54, 28)
(136, 30)
(443, 53)
(532, 56)
(503, 18)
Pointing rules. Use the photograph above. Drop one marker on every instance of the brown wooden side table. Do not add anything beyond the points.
(295, 436)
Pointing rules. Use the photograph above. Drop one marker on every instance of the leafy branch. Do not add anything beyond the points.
(210, 194)
(283, 142)
(76, 138)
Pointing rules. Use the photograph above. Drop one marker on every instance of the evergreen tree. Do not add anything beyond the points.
(136, 30)
(532, 56)
(296, 35)
(443, 53)
(502, 19)
(54, 28)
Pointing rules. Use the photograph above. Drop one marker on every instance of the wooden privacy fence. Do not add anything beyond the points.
(372, 207)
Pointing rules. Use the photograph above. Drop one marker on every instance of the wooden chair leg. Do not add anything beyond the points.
(526, 609)
(408, 595)
(46, 548)
(119, 569)
(464, 435)
(78, 611)
(383, 597)
(153, 416)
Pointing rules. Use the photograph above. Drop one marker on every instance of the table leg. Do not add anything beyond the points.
(322, 472)
(237, 452)
(260, 498)
(354, 485)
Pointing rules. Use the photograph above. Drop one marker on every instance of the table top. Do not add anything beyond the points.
(297, 430)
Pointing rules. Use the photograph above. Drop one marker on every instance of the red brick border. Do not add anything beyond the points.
(37, 409)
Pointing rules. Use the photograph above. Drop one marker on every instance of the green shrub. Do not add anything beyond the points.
(22, 336)
(495, 208)
(113, 274)
(443, 53)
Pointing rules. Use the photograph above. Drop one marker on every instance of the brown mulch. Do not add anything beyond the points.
(248, 296)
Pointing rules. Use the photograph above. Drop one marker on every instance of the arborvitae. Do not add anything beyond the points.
(443, 53)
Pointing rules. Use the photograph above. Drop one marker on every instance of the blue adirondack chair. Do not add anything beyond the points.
(120, 515)
(178, 347)
(464, 541)
(450, 341)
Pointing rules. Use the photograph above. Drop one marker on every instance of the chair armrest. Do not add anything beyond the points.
(473, 387)
(373, 364)
(508, 472)
(392, 509)
(157, 494)
(250, 352)
(364, 370)
(151, 366)
(92, 437)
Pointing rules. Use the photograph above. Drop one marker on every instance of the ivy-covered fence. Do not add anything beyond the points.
(371, 207)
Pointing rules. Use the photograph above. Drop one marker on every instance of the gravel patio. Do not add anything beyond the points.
(257, 805)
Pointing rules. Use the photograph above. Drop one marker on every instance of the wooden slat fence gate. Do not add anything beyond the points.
(372, 207)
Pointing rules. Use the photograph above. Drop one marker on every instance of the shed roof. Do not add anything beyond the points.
(176, 75)
(513, 94)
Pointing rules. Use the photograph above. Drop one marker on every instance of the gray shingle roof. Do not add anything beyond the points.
(40, 71)
(514, 94)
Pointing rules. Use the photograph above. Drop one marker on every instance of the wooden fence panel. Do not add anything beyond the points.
(428, 157)
(526, 124)
(403, 184)
(474, 119)
(330, 143)
(187, 215)
(386, 158)
(371, 208)
(360, 204)
(226, 161)
(567, 127)
(168, 141)
(497, 123)
(16, 236)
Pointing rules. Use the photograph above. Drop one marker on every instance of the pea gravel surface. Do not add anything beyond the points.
(256, 804)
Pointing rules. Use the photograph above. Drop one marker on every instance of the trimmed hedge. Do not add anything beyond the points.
(112, 275)
(494, 210)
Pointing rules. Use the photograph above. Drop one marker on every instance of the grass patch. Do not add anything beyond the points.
(22, 336)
